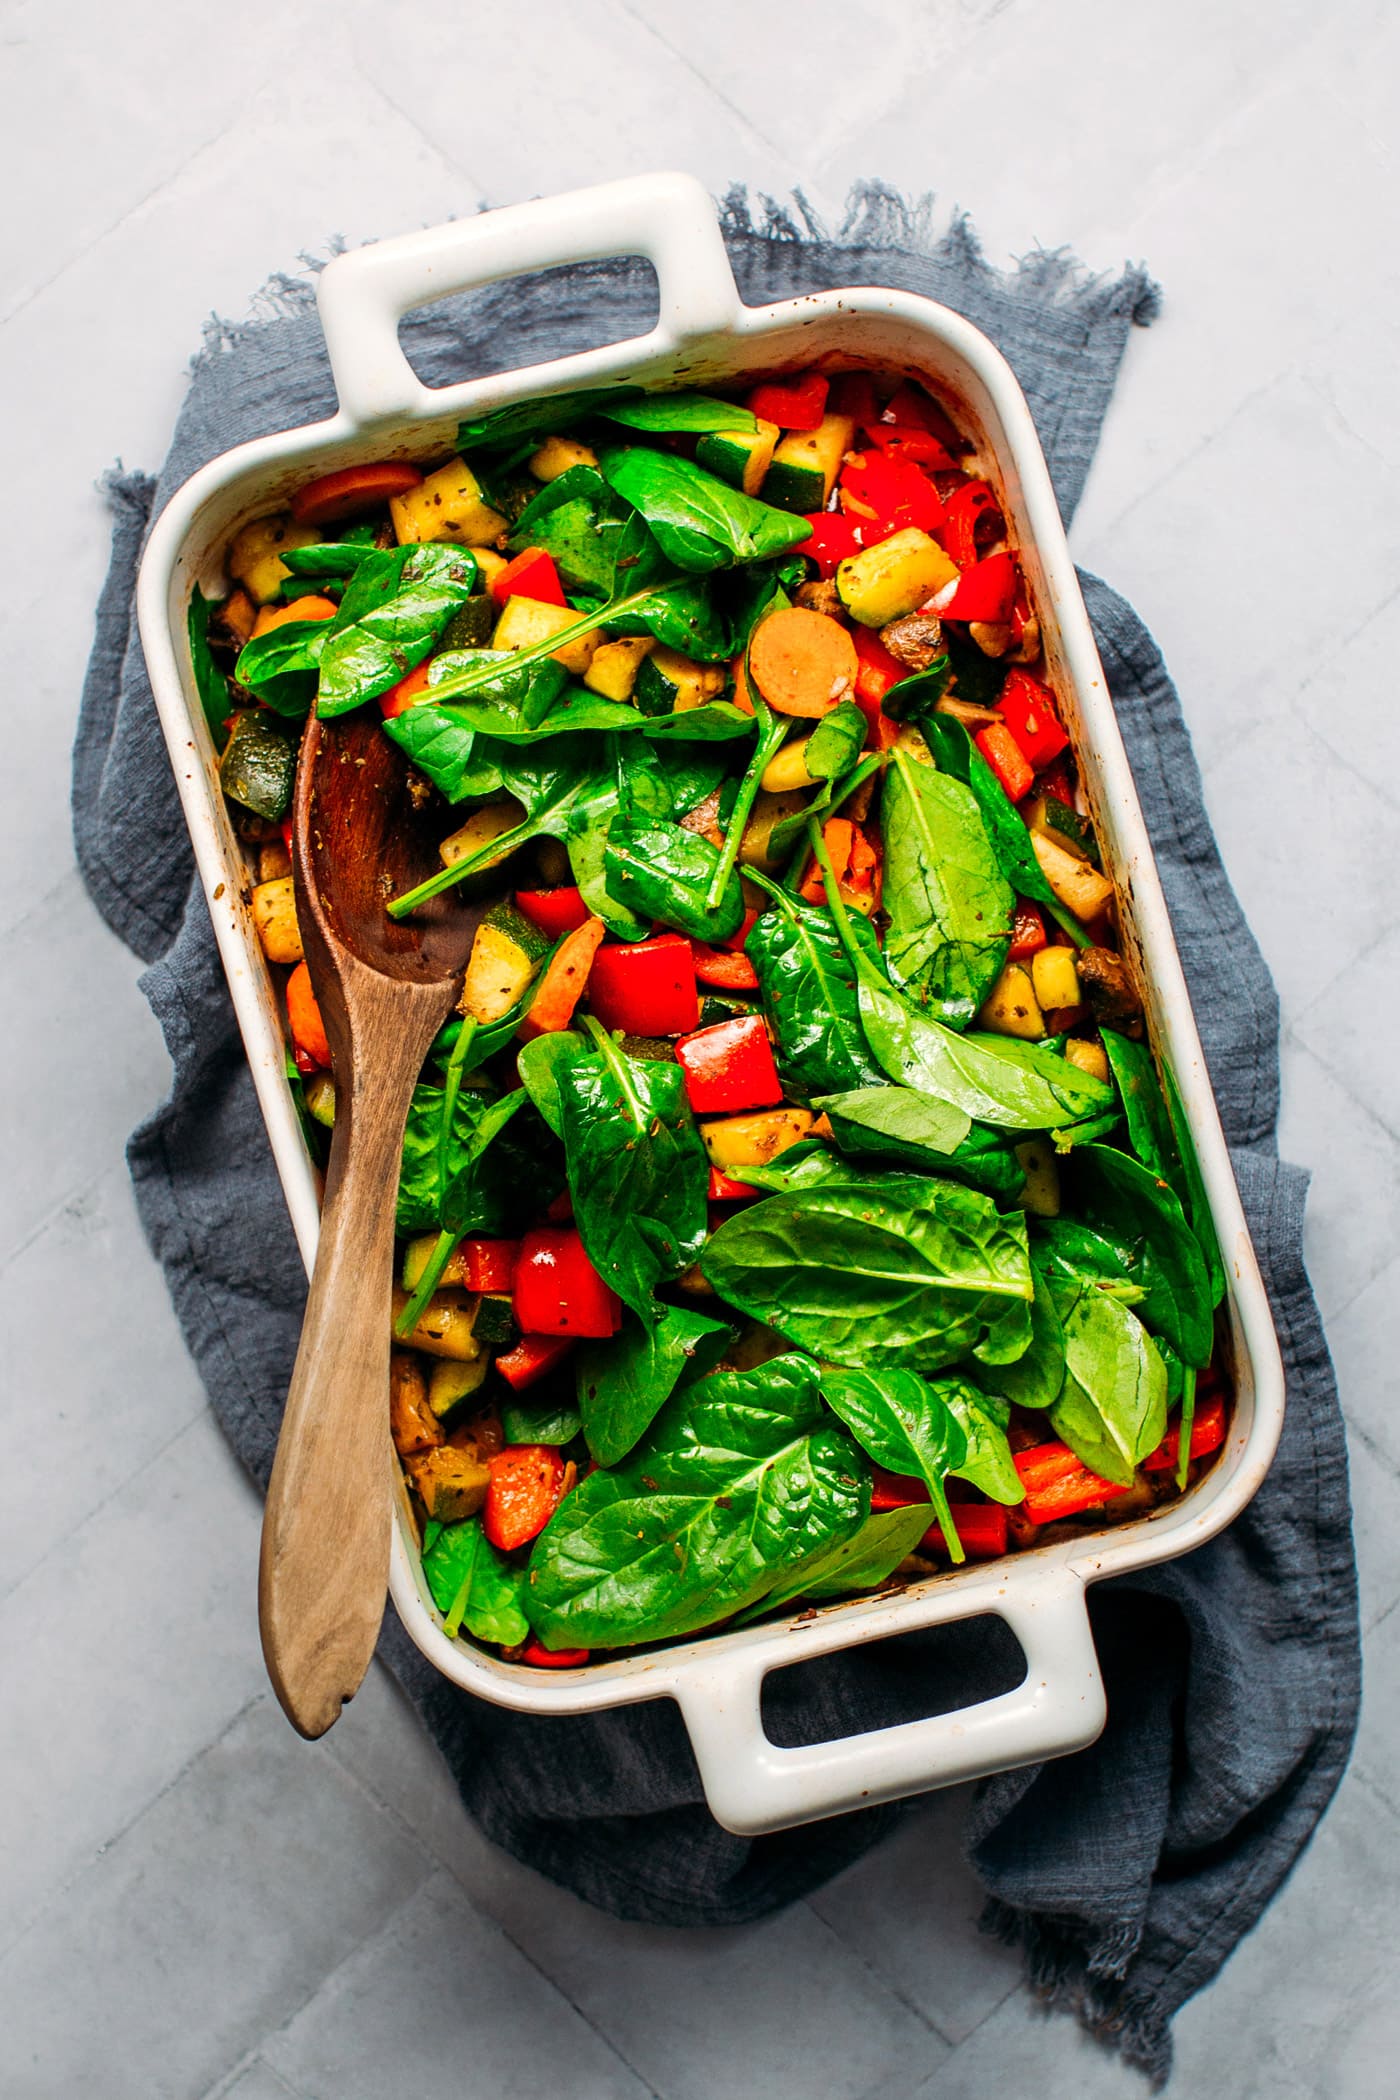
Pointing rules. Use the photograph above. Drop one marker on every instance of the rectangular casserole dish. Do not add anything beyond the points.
(706, 336)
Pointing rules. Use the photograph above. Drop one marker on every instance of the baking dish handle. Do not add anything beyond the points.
(362, 296)
(752, 1786)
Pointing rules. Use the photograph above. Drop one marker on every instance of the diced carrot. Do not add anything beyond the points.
(741, 696)
(563, 982)
(402, 696)
(804, 662)
(308, 608)
(352, 492)
(304, 1017)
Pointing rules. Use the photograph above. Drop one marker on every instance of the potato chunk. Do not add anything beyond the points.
(752, 1140)
(275, 917)
(451, 1483)
(412, 1423)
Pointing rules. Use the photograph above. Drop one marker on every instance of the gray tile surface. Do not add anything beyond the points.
(193, 1902)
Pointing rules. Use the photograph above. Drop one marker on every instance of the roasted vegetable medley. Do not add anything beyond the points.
(793, 1206)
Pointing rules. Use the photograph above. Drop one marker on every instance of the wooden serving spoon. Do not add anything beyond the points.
(384, 989)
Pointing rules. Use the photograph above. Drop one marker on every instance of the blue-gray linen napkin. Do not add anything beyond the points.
(1127, 1873)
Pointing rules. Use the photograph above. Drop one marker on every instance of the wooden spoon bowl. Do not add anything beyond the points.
(384, 988)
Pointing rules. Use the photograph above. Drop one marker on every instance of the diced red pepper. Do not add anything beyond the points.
(560, 1209)
(724, 970)
(981, 1526)
(555, 912)
(725, 1189)
(646, 987)
(533, 1356)
(532, 574)
(972, 520)
(1058, 1485)
(1028, 709)
(793, 404)
(886, 493)
(894, 1490)
(906, 441)
(910, 406)
(1207, 1434)
(402, 696)
(352, 491)
(557, 1290)
(834, 539)
(853, 395)
(986, 591)
(738, 940)
(876, 671)
(527, 1481)
(1056, 781)
(1006, 759)
(541, 1658)
(304, 1062)
(490, 1264)
(729, 1068)
(1027, 933)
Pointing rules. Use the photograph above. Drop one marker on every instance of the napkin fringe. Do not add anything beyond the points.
(1068, 1975)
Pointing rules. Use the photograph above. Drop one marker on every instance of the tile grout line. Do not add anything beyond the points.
(892, 1989)
(740, 116)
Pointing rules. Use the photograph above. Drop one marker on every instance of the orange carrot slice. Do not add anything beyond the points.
(309, 608)
(563, 982)
(304, 1017)
(803, 662)
(353, 491)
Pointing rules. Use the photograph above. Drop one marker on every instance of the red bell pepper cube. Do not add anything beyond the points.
(1027, 933)
(986, 591)
(645, 987)
(876, 671)
(725, 1189)
(533, 1356)
(903, 441)
(532, 574)
(541, 1658)
(1006, 759)
(971, 520)
(557, 1290)
(526, 1484)
(981, 1526)
(793, 404)
(729, 1067)
(1057, 1485)
(1207, 1434)
(402, 696)
(884, 493)
(1028, 709)
(834, 539)
(490, 1264)
(853, 395)
(911, 407)
(724, 970)
(305, 1062)
(555, 912)
(894, 1490)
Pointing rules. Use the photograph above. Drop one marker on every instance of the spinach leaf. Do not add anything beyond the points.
(742, 1478)
(281, 665)
(662, 872)
(472, 1585)
(699, 522)
(476, 1182)
(538, 1065)
(1196, 1202)
(1120, 1198)
(685, 614)
(499, 428)
(395, 606)
(995, 1079)
(895, 1123)
(902, 1422)
(588, 851)
(718, 721)
(597, 541)
(696, 412)
(636, 1165)
(1112, 1407)
(950, 907)
(332, 558)
(1090, 1133)
(835, 743)
(209, 681)
(526, 1419)
(862, 1562)
(982, 1418)
(809, 998)
(916, 697)
(956, 755)
(1070, 1245)
(623, 1383)
(446, 752)
(1034, 1380)
(1149, 1122)
(520, 695)
(889, 1271)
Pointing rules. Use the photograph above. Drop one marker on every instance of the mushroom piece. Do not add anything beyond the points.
(1108, 990)
(821, 596)
(915, 640)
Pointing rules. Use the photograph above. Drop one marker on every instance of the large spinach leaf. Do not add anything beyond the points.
(809, 998)
(444, 750)
(1149, 1123)
(1033, 1380)
(509, 695)
(662, 872)
(950, 907)
(863, 1562)
(955, 754)
(539, 1063)
(992, 1078)
(281, 666)
(624, 1382)
(1196, 1203)
(1112, 1406)
(669, 412)
(477, 1181)
(637, 1168)
(742, 1477)
(904, 1423)
(893, 1270)
(501, 429)
(473, 1586)
(597, 541)
(699, 522)
(987, 1461)
(395, 606)
(893, 1123)
(1130, 1206)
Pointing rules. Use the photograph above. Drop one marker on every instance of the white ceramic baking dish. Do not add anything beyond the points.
(705, 335)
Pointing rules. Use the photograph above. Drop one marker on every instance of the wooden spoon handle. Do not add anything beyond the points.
(326, 1528)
